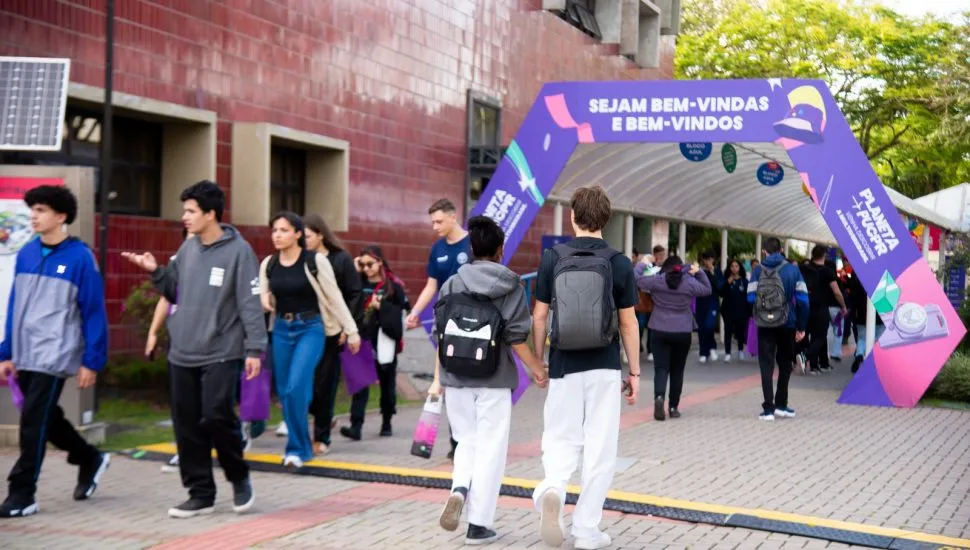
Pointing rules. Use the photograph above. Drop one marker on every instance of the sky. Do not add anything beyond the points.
(921, 7)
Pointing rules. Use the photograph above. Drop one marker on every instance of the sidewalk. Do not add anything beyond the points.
(876, 468)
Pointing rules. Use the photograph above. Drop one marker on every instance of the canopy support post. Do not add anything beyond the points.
(628, 235)
(557, 219)
(682, 241)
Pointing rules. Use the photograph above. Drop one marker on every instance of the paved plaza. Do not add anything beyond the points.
(870, 467)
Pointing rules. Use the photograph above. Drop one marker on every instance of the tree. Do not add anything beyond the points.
(903, 84)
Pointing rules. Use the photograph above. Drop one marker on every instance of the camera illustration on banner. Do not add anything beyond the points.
(906, 322)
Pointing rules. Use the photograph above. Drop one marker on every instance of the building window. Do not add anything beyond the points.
(486, 124)
(287, 180)
(136, 160)
(582, 15)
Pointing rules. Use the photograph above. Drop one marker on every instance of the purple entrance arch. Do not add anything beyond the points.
(801, 115)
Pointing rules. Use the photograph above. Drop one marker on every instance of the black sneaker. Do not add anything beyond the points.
(88, 476)
(451, 513)
(674, 413)
(243, 496)
(856, 363)
(658, 409)
(478, 535)
(350, 433)
(191, 508)
(18, 508)
(386, 429)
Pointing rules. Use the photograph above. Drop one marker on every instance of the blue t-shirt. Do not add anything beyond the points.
(445, 259)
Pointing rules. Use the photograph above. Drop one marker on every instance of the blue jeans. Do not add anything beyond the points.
(297, 348)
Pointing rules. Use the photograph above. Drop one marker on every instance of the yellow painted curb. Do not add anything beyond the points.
(263, 458)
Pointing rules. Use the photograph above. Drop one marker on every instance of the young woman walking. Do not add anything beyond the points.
(672, 325)
(735, 309)
(384, 305)
(299, 288)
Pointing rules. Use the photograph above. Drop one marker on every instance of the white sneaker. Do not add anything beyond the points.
(282, 430)
(550, 519)
(650, 357)
(601, 540)
(292, 462)
(727, 358)
(713, 355)
(742, 356)
(703, 359)
(172, 466)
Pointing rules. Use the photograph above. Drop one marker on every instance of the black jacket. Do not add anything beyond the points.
(348, 280)
(389, 318)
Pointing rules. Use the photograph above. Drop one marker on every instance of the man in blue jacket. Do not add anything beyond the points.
(777, 343)
(56, 327)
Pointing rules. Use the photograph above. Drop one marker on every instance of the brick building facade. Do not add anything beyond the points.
(356, 108)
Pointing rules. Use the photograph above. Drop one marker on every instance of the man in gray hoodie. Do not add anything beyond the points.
(214, 279)
(483, 297)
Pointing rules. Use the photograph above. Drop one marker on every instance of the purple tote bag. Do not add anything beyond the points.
(752, 338)
(359, 370)
(16, 395)
(254, 394)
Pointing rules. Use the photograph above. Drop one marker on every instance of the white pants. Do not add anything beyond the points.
(480, 420)
(582, 418)
(835, 342)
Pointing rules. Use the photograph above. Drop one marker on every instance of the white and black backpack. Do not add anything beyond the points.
(469, 328)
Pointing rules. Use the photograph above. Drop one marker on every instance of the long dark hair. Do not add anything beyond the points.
(316, 223)
(741, 272)
(673, 271)
(294, 221)
(374, 251)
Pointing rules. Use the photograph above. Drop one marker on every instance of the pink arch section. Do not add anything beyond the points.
(801, 116)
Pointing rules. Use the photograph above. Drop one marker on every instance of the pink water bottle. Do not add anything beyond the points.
(427, 430)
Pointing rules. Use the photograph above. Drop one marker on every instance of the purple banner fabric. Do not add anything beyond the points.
(254, 394)
(359, 370)
(922, 327)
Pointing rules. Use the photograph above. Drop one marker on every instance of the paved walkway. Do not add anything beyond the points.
(906, 469)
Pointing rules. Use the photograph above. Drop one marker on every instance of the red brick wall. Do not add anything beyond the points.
(388, 76)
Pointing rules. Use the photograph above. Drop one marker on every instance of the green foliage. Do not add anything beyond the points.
(903, 84)
(139, 309)
(138, 373)
(953, 381)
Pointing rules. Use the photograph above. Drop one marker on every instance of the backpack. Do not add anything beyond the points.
(583, 310)
(469, 328)
(771, 301)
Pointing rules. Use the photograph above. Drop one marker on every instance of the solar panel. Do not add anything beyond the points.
(33, 97)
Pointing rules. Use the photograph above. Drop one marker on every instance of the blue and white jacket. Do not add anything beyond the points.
(795, 289)
(56, 320)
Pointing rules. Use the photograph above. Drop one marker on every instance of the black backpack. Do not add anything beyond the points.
(583, 310)
(469, 328)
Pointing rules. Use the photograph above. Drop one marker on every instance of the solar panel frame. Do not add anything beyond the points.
(50, 98)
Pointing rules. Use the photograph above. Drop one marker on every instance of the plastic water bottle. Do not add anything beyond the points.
(427, 429)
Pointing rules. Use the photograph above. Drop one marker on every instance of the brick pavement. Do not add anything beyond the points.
(297, 512)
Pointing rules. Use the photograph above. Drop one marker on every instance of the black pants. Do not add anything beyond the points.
(326, 380)
(42, 421)
(387, 378)
(203, 417)
(736, 329)
(817, 342)
(670, 350)
(775, 344)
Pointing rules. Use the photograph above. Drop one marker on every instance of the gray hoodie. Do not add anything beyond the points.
(504, 287)
(216, 287)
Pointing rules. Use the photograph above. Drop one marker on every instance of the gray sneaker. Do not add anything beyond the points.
(243, 496)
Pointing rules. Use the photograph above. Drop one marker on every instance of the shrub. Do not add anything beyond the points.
(953, 381)
(138, 374)
(140, 307)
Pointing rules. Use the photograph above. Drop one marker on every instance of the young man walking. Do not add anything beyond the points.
(594, 291)
(218, 324)
(56, 328)
(780, 300)
(448, 254)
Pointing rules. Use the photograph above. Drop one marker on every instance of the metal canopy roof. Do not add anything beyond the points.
(655, 180)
